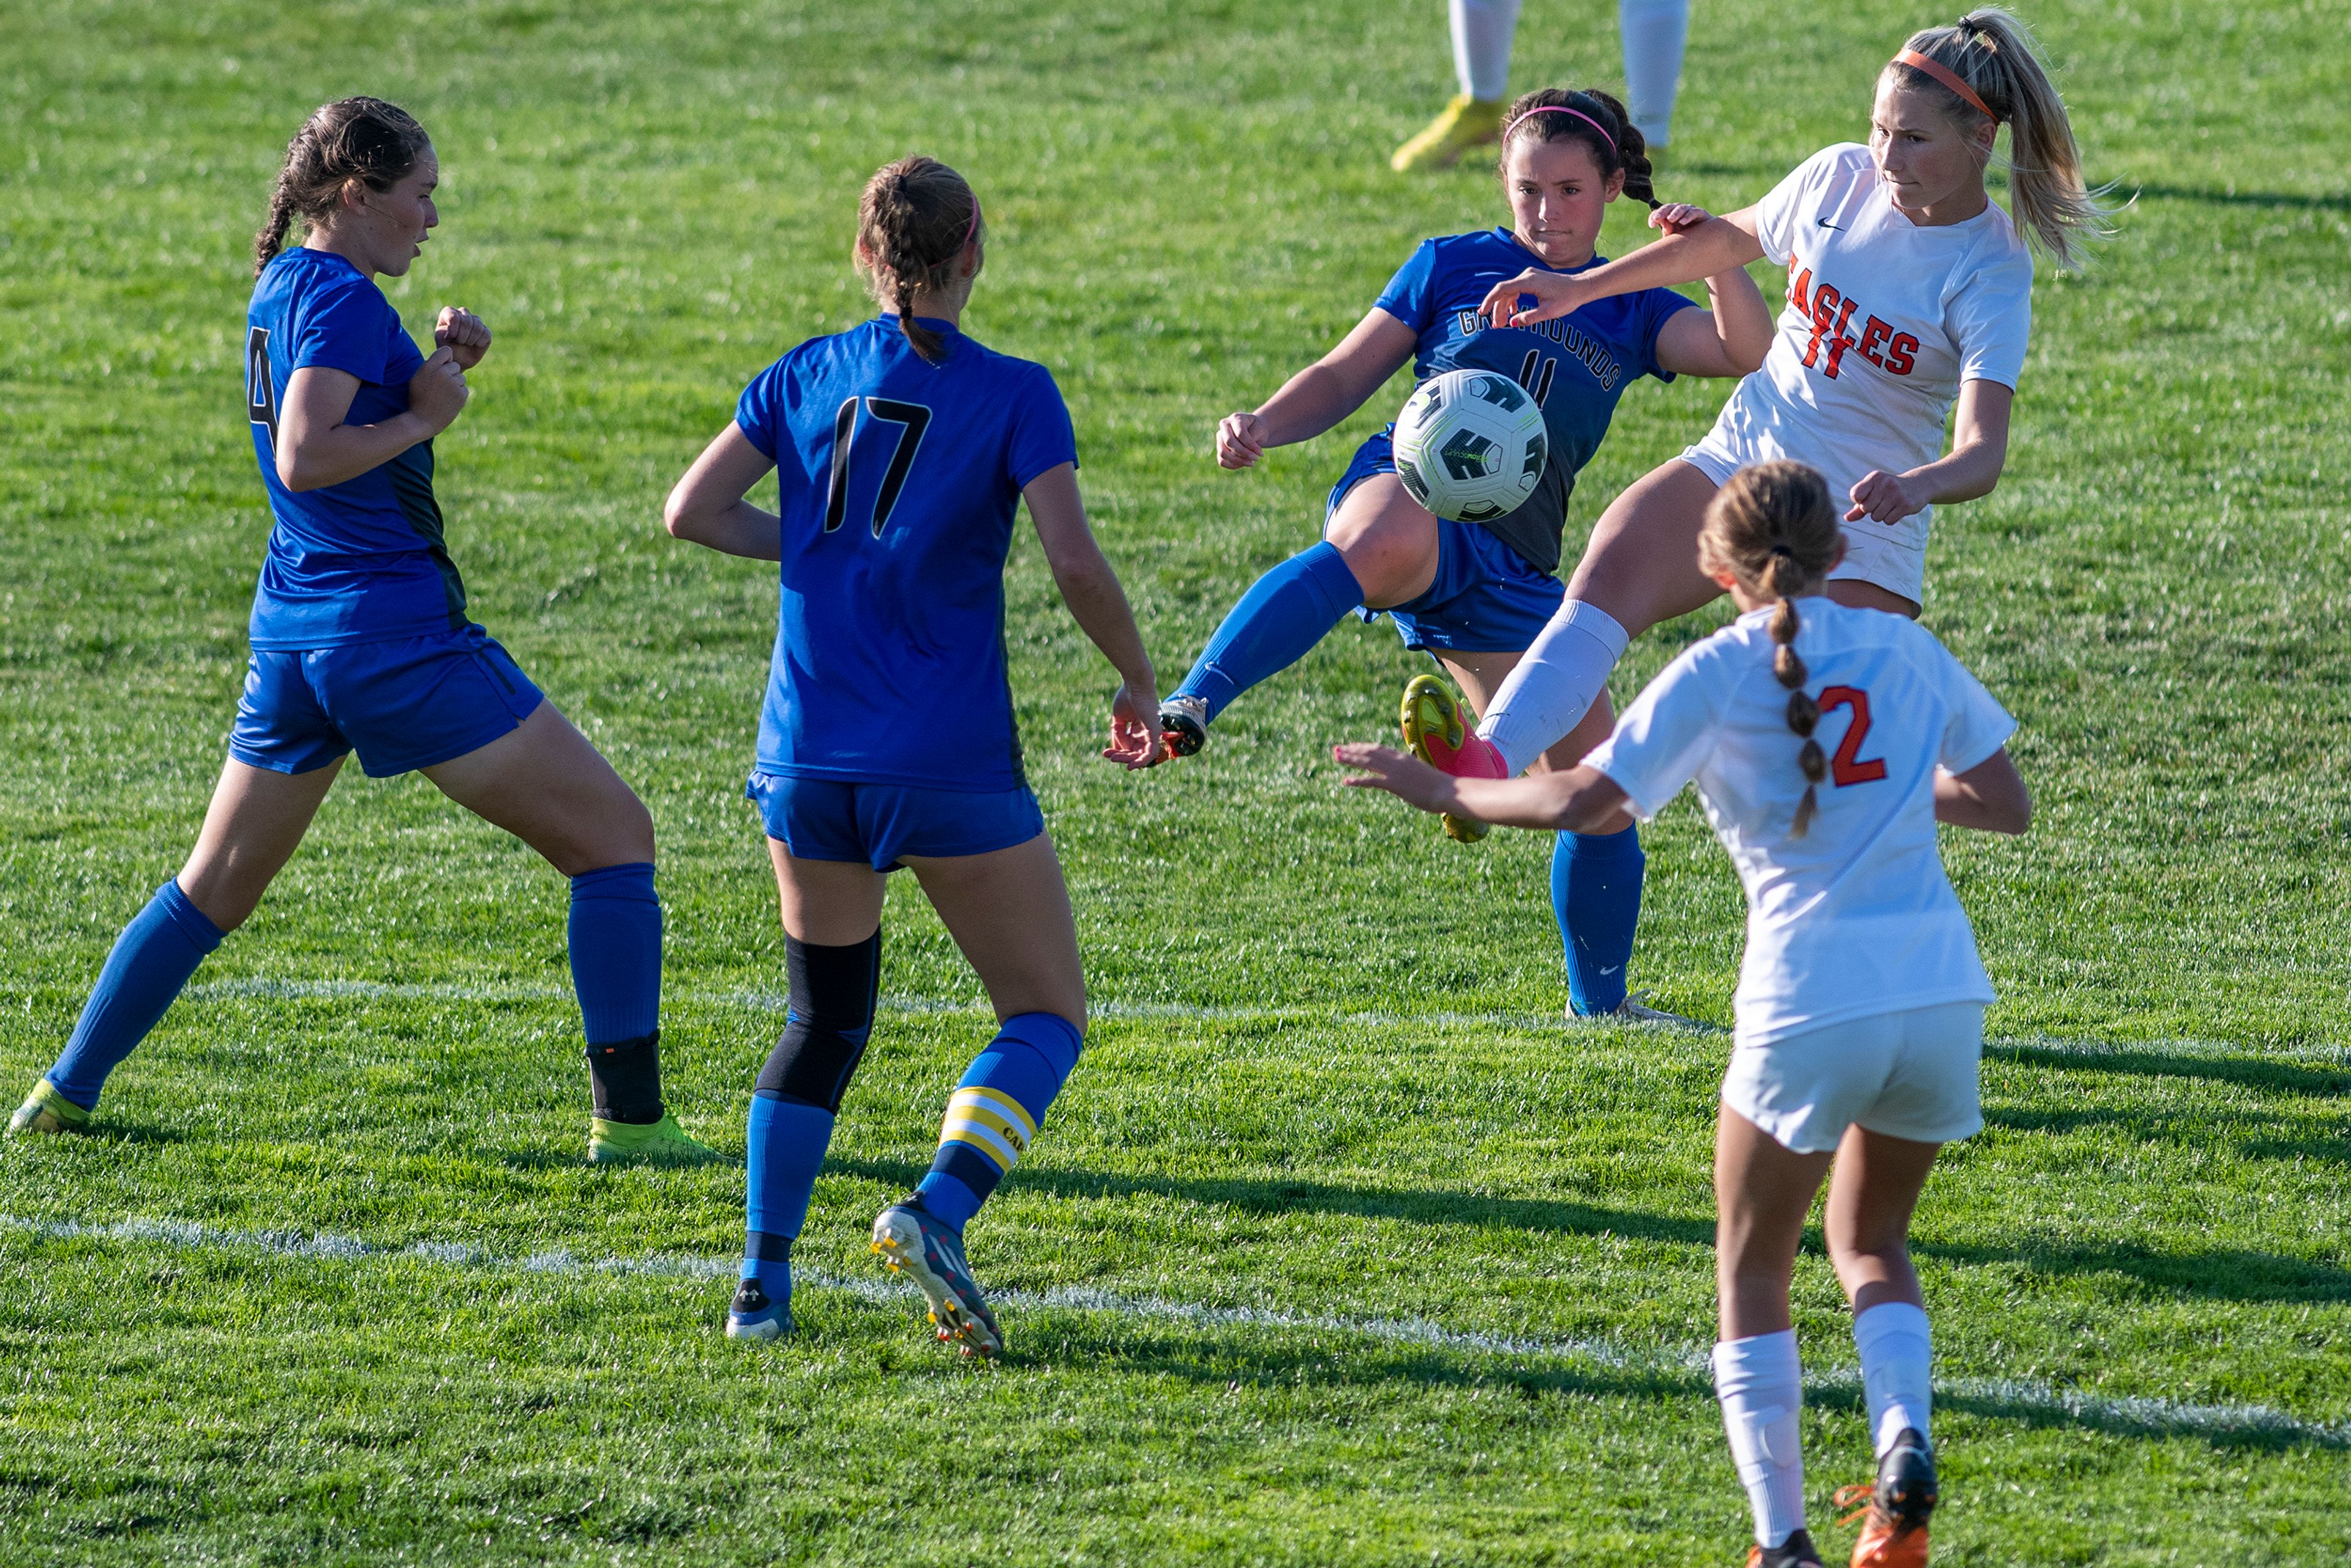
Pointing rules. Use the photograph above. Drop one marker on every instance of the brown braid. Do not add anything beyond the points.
(1773, 526)
(1615, 145)
(363, 138)
(913, 222)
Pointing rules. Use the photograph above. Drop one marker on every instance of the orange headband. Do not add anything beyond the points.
(1947, 76)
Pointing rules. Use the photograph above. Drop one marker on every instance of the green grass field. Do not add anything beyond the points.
(1338, 1248)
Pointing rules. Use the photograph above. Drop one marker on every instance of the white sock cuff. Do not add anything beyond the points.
(1757, 1361)
(1888, 1320)
(1596, 624)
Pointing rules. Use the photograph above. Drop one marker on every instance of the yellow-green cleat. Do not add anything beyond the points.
(662, 1142)
(1466, 122)
(47, 1111)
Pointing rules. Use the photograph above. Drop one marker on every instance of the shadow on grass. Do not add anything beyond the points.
(2248, 1071)
(2229, 1274)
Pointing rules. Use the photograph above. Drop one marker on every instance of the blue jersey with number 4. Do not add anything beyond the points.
(898, 483)
(1576, 367)
(361, 561)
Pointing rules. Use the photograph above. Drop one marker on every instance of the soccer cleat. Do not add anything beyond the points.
(1796, 1551)
(1464, 123)
(1183, 726)
(45, 1110)
(914, 1243)
(1437, 731)
(752, 1315)
(1895, 1509)
(1633, 1009)
(662, 1142)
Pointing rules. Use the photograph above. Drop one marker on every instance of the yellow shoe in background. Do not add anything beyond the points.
(1467, 123)
(44, 1110)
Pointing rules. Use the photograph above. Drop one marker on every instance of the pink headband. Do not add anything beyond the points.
(972, 228)
(1559, 109)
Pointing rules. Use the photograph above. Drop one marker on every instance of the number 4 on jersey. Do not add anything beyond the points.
(911, 418)
(260, 387)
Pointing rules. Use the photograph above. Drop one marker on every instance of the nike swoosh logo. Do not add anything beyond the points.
(1827, 224)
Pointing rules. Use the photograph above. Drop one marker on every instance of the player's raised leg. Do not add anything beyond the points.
(547, 784)
(256, 821)
(1008, 911)
(1483, 31)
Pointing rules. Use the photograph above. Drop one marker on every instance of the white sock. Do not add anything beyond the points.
(1482, 30)
(1762, 1388)
(1555, 684)
(1896, 1369)
(1654, 32)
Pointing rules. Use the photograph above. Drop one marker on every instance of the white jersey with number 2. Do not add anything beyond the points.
(1885, 319)
(1856, 917)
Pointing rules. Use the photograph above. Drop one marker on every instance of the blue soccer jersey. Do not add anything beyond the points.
(898, 480)
(1576, 367)
(361, 561)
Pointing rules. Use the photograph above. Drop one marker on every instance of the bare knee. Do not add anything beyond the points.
(1393, 555)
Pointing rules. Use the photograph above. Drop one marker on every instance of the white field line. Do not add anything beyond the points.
(2024, 1396)
(776, 1002)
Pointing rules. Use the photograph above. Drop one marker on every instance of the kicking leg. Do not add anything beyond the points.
(1380, 550)
(256, 818)
(547, 784)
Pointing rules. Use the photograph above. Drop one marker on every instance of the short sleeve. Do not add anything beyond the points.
(1043, 439)
(1665, 736)
(1978, 727)
(1779, 214)
(348, 326)
(1657, 306)
(1991, 320)
(759, 412)
(1410, 296)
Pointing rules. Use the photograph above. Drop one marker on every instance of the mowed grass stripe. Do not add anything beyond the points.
(2022, 1398)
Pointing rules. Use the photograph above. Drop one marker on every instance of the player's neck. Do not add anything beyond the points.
(944, 306)
(1969, 201)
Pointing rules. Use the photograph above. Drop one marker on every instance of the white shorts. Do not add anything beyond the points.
(1891, 555)
(1907, 1075)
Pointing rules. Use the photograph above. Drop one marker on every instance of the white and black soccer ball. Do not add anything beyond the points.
(1472, 446)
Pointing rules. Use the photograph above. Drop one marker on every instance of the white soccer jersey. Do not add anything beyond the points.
(1885, 319)
(1856, 917)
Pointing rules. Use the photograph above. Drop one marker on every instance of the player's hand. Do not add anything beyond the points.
(1401, 775)
(1133, 728)
(1555, 295)
(437, 392)
(464, 334)
(1886, 497)
(1675, 217)
(1241, 440)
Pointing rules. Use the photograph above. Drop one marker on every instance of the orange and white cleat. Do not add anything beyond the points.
(1437, 731)
(1895, 1509)
(1796, 1551)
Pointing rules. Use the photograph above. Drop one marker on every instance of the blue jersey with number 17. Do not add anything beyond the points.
(898, 481)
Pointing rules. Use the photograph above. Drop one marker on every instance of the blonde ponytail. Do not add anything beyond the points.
(1994, 54)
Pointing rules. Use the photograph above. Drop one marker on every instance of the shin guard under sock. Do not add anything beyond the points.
(1554, 683)
(1284, 613)
(1897, 1365)
(1761, 1386)
(996, 1111)
(833, 992)
(1595, 892)
(152, 960)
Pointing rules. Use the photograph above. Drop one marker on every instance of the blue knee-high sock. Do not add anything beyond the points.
(615, 934)
(150, 961)
(1595, 891)
(996, 1111)
(784, 1146)
(1284, 613)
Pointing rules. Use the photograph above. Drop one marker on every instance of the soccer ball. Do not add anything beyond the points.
(1471, 446)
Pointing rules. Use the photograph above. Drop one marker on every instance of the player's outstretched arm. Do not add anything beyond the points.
(1971, 469)
(1579, 801)
(1729, 339)
(1704, 250)
(1321, 394)
(1990, 797)
(1089, 587)
(316, 448)
(706, 506)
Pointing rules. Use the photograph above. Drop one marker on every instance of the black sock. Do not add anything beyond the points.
(626, 1079)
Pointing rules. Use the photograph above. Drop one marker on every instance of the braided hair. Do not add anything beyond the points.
(1772, 525)
(915, 222)
(363, 138)
(1599, 121)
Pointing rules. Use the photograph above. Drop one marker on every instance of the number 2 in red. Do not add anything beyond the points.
(1847, 766)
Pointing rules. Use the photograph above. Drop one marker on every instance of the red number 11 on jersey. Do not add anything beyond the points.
(1847, 766)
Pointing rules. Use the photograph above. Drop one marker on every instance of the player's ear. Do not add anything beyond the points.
(1614, 186)
(1837, 560)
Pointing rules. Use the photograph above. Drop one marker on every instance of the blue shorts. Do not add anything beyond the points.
(1487, 599)
(829, 819)
(402, 705)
